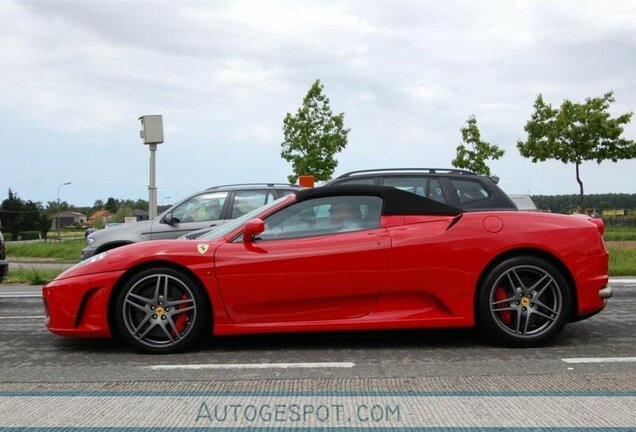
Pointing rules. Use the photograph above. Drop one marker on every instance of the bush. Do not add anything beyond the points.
(620, 222)
(7, 236)
(29, 235)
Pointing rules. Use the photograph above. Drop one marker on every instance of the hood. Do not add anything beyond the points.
(142, 226)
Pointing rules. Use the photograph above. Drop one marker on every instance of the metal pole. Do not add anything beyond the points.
(57, 217)
(152, 187)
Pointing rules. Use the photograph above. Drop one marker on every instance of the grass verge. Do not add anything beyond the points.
(31, 276)
(619, 233)
(65, 250)
(622, 262)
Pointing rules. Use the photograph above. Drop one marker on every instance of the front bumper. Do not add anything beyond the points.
(78, 306)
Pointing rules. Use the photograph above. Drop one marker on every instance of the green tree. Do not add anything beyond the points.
(577, 132)
(97, 205)
(472, 153)
(44, 224)
(121, 214)
(313, 137)
(52, 207)
(29, 217)
(112, 205)
(98, 223)
(12, 208)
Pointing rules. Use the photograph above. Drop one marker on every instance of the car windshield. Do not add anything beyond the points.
(223, 230)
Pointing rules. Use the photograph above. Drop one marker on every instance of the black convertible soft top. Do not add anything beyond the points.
(395, 201)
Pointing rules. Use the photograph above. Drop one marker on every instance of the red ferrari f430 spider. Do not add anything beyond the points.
(342, 258)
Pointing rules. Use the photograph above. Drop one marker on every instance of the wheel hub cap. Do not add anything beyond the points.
(525, 302)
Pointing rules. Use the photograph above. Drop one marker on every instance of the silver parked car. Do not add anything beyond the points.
(211, 207)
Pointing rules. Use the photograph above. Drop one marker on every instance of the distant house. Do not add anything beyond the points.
(523, 202)
(102, 215)
(63, 219)
(140, 215)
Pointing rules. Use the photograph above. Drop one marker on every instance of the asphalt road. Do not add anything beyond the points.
(424, 364)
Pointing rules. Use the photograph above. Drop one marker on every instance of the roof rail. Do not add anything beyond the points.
(253, 184)
(427, 170)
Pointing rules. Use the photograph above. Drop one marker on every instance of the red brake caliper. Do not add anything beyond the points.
(182, 319)
(506, 316)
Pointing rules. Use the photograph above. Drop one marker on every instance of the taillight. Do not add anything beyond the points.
(599, 224)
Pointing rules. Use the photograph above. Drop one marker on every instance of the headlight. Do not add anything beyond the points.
(96, 258)
(89, 240)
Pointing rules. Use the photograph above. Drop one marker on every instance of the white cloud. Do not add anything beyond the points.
(74, 77)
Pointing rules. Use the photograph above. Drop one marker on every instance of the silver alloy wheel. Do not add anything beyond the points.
(159, 310)
(525, 301)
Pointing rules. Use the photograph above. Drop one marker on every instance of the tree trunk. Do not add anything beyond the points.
(581, 198)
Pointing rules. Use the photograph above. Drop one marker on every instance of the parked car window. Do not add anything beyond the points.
(247, 200)
(201, 208)
(422, 186)
(271, 197)
(468, 191)
(435, 191)
(361, 181)
(322, 216)
(416, 185)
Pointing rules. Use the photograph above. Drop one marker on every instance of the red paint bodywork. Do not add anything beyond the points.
(411, 272)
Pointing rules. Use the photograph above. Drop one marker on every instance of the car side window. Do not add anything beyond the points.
(361, 181)
(422, 186)
(201, 208)
(247, 200)
(469, 191)
(435, 191)
(321, 216)
(416, 185)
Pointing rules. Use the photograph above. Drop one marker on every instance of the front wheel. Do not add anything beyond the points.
(160, 310)
(523, 302)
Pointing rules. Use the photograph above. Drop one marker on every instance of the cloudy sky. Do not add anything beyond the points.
(75, 76)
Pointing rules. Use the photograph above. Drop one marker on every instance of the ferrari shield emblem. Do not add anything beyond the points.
(202, 248)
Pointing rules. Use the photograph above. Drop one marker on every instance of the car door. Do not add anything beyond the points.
(198, 212)
(306, 268)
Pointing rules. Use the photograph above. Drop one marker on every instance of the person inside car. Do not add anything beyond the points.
(345, 216)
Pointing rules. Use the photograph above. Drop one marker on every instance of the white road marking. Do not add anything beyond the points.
(600, 360)
(20, 295)
(255, 366)
(622, 281)
(23, 317)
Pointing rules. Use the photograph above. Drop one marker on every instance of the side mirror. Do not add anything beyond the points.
(168, 219)
(253, 227)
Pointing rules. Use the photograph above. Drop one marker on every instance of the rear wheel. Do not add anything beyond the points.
(524, 302)
(160, 310)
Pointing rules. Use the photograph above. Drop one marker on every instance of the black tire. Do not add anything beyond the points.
(154, 322)
(523, 302)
